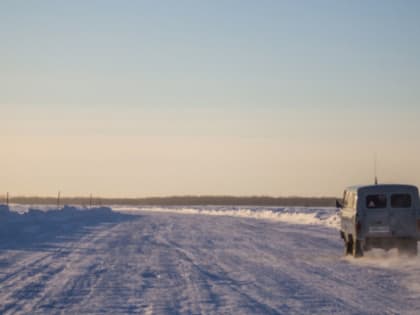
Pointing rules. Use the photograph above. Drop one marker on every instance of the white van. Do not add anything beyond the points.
(380, 216)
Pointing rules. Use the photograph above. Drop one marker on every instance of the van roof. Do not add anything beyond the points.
(381, 187)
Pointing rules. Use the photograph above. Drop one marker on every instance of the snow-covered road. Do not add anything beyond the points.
(171, 263)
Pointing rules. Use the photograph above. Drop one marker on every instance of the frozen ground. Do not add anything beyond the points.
(210, 260)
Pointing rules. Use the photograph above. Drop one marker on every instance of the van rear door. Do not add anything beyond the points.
(402, 215)
(377, 215)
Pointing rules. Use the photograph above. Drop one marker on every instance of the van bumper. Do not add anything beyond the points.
(385, 242)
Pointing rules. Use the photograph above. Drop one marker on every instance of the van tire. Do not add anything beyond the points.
(348, 247)
(357, 250)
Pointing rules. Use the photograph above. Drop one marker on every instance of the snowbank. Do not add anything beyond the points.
(67, 212)
(299, 215)
(293, 215)
(44, 225)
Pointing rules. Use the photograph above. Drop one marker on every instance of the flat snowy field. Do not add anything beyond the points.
(202, 260)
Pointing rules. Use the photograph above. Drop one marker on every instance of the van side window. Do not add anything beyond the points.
(401, 201)
(376, 201)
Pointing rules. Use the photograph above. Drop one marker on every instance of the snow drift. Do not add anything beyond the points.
(296, 215)
(34, 225)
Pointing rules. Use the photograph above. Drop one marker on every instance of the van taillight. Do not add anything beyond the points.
(359, 227)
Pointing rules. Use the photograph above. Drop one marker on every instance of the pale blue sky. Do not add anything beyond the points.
(280, 97)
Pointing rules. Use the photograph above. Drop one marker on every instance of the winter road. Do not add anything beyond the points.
(166, 263)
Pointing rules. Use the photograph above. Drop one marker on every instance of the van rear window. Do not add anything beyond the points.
(401, 201)
(376, 201)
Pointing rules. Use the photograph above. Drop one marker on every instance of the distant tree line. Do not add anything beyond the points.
(182, 201)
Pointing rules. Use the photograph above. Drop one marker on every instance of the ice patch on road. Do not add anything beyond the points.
(293, 215)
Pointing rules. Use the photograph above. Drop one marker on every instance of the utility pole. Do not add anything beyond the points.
(90, 201)
(58, 200)
(7, 198)
(375, 167)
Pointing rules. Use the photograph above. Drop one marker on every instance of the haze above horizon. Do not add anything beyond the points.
(163, 98)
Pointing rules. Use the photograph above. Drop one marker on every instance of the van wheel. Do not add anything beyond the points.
(348, 247)
(357, 249)
(408, 247)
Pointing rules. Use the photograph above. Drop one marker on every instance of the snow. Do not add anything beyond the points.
(197, 260)
(294, 215)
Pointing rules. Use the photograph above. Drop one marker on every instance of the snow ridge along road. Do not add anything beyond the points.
(154, 262)
(294, 215)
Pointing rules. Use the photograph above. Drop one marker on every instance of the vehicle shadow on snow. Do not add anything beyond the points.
(39, 230)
